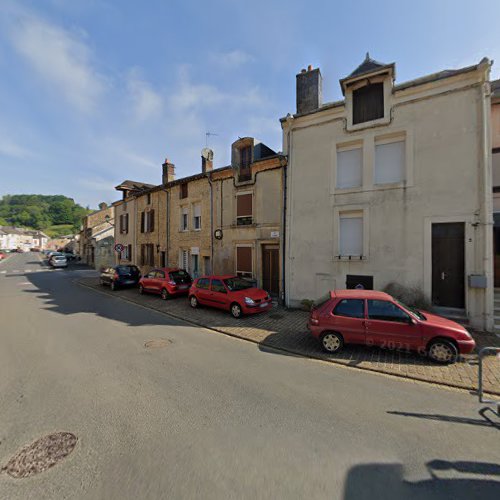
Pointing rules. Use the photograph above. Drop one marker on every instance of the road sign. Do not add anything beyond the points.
(119, 247)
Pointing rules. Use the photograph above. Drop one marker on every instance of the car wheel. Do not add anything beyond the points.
(236, 311)
(164, 294)
(332, 342)
(141, 289)
(193, 302)
(442, 351)
(113, 286)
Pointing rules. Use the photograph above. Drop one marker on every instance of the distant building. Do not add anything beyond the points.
(12, 238)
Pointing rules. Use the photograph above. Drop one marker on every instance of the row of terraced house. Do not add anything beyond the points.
(395, 183)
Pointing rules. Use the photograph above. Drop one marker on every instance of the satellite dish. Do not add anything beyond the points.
(207, 153)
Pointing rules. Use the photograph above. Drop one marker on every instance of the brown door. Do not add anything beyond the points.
(271, 270)
(448, 265)
(496, 248)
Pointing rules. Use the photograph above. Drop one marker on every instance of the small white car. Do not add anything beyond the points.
(58, 261)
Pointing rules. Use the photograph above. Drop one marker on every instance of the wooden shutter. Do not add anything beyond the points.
(126, 222)
(129, 253)
(368, 103)
(244, 205)
(143, 217)
(151, 221)
(142, 255)
(244, 259)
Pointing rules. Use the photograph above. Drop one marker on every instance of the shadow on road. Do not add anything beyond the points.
(455, 480)
(486, 422)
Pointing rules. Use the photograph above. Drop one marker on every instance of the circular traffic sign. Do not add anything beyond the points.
(119, 247)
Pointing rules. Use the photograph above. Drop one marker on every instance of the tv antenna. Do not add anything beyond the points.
(207, 136)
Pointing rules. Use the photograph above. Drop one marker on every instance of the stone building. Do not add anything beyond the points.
(392, 184)
(97, 237)
(125, 225)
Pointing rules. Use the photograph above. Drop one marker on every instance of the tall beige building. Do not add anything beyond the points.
(392, 184)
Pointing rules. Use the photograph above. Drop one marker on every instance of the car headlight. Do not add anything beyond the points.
(249, 301)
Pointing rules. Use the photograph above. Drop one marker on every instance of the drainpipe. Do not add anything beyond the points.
(212, 263)
(283, 233)
(287, 213)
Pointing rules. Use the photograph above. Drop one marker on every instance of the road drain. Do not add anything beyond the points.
(41, 455)
(157, 343)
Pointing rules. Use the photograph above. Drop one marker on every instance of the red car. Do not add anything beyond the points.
(375, 318)
(230, 293)
(166, 281)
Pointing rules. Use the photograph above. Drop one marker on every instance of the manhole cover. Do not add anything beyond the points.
(157, 343)
(276, 316)
(41, 455)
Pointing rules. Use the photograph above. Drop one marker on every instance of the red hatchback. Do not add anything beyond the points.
(375, 318)
(166, 281)
(230, 293)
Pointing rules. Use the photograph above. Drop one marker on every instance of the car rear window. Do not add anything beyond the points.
(127, 270)
(350, 308)
(180, 276)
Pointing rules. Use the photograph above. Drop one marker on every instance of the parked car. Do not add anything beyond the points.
(2, 256)
(230, 293)
(166, 281)
(20, 250)
(120, 276)
(34, 249)
(375, 318)
(58, 261)
(51, 255)
(69, 255)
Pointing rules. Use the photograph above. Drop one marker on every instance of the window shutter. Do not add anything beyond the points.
(129, 252)
(143, 217)
(244, 205)
(151, 221)
(349, 168)
(351, 236)
(142, 255)
(126, 223)
(197, 211)
(244, 259)
(389, 162)
(368, 103)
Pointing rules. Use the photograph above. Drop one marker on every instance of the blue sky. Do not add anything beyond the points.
(93, 92)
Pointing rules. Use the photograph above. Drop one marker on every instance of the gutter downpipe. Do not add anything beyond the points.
(212, 263)
(285, 237)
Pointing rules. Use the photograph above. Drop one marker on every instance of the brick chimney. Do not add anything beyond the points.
(168, 172)
(207, 160)
(103, 206)
(309, 90)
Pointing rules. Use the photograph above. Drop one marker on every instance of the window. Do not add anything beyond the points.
(244, 209)
(184, 219)
(349, 168)
(129, 252)
(244, 261)
(148, 198)
(184, 190)
(389, 162)
(496, 167)
(195, 259)
(148, 221)
(162, 259)
(124, 223)
(386, 311)
(203, 283)
(197, 217)
(350, 308)
(183, 259)
(218, 286)
(351, 234)
(368, 103)
(245, 157)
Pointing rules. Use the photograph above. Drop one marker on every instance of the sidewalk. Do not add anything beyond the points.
(286, 330)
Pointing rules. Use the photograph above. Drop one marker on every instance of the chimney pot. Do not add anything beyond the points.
(303, 70)
(309, 68)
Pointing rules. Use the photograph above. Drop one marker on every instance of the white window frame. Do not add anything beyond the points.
(354, 211)
(197, 218)
(182, 261)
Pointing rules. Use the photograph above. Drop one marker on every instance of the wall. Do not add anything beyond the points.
(444, 123)
(127, 206)
(495, 136)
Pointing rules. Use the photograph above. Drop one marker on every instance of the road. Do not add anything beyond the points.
(209, 416)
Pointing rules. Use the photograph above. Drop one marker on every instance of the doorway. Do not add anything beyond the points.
(448, 264)
(271, 269)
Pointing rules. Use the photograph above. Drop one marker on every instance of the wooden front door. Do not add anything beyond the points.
(271, 269)
(448, 264)
(496, 250)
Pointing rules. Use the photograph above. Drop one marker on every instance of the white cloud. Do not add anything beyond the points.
(232, 59)
(61, 58)
(146, 102)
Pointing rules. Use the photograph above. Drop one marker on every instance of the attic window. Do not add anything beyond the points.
(368, 103)
(245, 157)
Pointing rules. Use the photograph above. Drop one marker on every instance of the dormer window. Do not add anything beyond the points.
(368, 103)
(245, 157)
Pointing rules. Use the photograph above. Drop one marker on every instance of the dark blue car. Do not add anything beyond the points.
(120, 276)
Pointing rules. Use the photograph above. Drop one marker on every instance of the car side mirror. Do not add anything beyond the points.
(412, 321)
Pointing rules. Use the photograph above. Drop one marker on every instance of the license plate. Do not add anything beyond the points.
(183, 287)
(129, 282)
(265, 304)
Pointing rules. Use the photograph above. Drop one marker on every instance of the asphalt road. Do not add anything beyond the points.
(209, 416)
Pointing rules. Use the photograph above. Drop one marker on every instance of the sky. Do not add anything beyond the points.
(93, 92)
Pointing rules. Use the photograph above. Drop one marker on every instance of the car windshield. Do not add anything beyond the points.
(414, 311)
(126, 270)
(235, 284)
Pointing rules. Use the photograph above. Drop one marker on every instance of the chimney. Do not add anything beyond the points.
(309, 90)
(207, 160)
(103, 206)
(168, 172)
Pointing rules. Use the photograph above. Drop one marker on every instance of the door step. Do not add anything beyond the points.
(457, 315)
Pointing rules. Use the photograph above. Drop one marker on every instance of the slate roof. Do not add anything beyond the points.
(368, 66)
(133, 185)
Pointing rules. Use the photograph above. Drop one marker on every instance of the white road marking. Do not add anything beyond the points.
(27, 270)
(25, 283)
(3, 272)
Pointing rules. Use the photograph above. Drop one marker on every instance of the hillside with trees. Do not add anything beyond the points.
(53, 214)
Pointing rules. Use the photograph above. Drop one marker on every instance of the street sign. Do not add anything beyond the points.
(119, 247)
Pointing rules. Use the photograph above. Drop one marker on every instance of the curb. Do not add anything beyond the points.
(291, 351)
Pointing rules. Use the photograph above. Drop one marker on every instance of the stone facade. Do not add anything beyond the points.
(344, 223)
